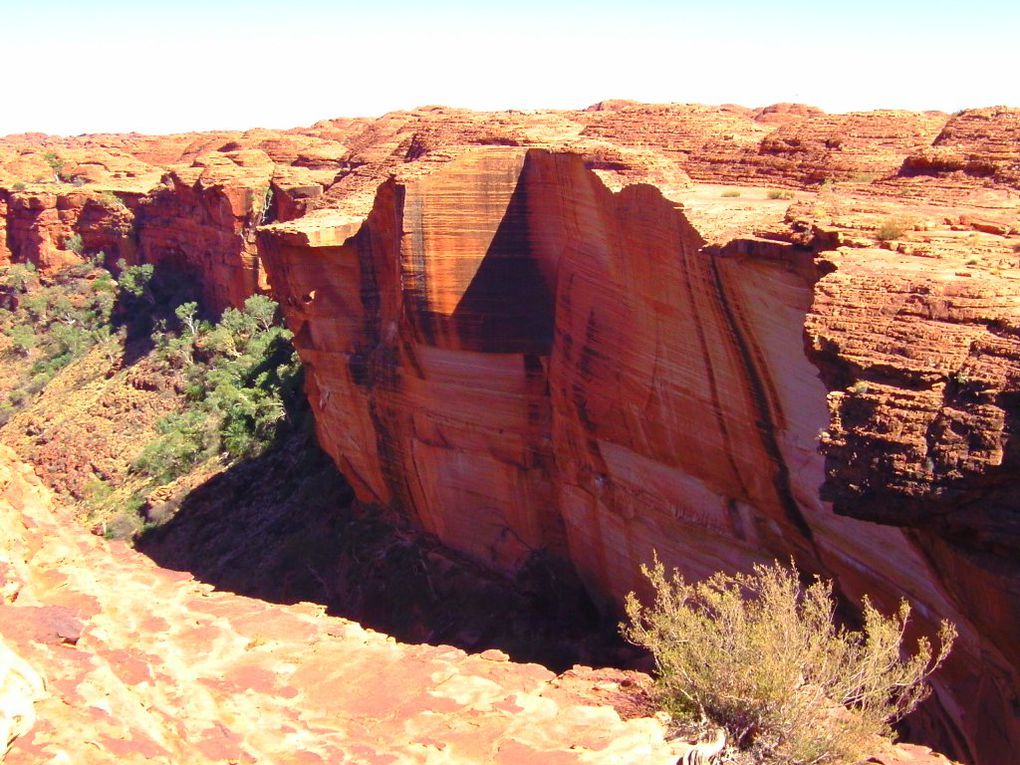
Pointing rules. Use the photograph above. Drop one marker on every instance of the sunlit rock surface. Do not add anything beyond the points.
(527, 360)
(557, 331)
(146, 665)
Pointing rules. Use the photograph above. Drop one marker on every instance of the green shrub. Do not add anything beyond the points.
(74, 244)
(761, 657)
(731, 194)
(135, 280)
(56, 163)
(22, 338)
(780, 194)
(18, 186)
(184, 440)
(16, 277)
(55, 321)
(238, 374)
(893, 227)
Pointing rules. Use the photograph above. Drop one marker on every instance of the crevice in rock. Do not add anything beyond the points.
(285, 527)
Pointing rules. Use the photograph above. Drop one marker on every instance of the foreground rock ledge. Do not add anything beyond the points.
(146, 665)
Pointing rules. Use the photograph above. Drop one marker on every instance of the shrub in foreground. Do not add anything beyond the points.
(762, 657)
(894, 227)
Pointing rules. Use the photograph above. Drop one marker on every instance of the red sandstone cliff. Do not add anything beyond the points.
(533, 331)
(527, 360)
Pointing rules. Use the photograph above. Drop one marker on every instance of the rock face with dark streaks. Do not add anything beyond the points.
(554, 332)
(525, 360)
(202, 220)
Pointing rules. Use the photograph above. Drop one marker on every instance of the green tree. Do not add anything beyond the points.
(261, 310)
(135, 280)
(56, 164)
(238, 374)
(22, 338)
(184, 440)
(187, 315)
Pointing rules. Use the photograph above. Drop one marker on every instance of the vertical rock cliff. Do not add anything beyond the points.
(525, 360)
(516, 336)
(201, 222)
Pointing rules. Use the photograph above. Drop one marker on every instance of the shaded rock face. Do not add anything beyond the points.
(200, 223)
(37, 227)
(525, 360)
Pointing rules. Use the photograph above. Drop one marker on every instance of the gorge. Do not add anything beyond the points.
(600, 333)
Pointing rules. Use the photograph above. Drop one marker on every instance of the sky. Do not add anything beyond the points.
(86, 66)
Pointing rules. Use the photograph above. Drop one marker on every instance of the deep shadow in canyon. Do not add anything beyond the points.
(285, 527)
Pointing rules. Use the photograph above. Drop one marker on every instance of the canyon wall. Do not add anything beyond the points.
(515, 333)
(201, 222)
(38, 227)
(525, 360)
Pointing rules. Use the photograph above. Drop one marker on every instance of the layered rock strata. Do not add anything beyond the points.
(526, 360)
(516, 335)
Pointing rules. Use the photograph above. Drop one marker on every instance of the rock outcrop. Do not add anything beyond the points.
(20, 688)
(528, 361)
(980, 143)
(552, 331)
(147, 665)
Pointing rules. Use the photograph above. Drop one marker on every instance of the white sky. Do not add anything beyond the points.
(73, 66)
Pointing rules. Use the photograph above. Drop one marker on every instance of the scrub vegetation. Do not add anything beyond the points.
(764, 658)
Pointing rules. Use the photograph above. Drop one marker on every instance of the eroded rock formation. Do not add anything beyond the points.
(146, 665)
(551, 331)
(527, 360)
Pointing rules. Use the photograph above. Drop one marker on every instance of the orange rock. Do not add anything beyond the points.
(20, 688)
(166, 670)
(525, 360)
(536, 331)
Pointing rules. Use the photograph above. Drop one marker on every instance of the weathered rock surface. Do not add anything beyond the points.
(980, 143)
(147, 665)
(536, 331)
(20, 688)
(526, 361)
(779, 144)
